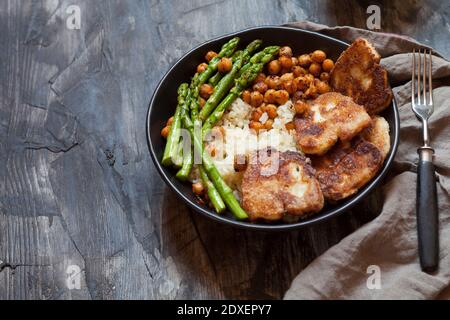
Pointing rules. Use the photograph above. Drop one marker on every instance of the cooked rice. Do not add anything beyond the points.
(241, 140)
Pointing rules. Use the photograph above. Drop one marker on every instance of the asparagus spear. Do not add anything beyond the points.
(200, 78)
(194, 106)
(189, 95)
(214, 80)
(225, 191)
(187, 162)
(193, 97)
(226, 51)
(178, 160)
(224, 86)
(213, 194)
(182, 160)
(260, 57)
(183, 173)
(171, 149)
(252, 71)
(194, 103)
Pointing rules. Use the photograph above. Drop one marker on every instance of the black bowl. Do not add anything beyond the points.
(163, 104)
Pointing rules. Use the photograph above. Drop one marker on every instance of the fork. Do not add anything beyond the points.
(426, 202)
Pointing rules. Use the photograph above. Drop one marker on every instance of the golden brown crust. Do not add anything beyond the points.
(378, 134)
(358, 74)
(276, 183)
(348, 166)
(330, 117)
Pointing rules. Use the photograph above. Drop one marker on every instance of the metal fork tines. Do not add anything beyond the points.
(422, 100)
(426, 205)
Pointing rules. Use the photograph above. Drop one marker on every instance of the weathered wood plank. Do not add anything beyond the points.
(77, 186)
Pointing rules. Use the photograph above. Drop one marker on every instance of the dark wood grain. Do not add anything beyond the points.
(77, 186)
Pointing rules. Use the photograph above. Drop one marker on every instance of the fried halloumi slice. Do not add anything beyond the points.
(278, 183)
(378, 134)
(348, 166)
(358, 74)
(330, 117)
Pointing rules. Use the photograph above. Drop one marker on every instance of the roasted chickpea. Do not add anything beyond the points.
(256, 99)
(290, 125)
(285, 51)
(318, 56)
(322, 87)
(315, 69)
(198, 188)
(169, 121)
(290, 87)
(273, 82)
(302, 83)
(206, 90)
(268, 124)
(201, 67)
(256, 125)
(274, 67)
(325, 76)
(224, 65)
(304, 60)
(300, 106)
(294, 61)
(260, 77)
(311, 92)
(201, 102)
(327, 65)
(210, 55)
(281, 96)
(260, 87)
(246, 96)
(285, 62)
(309, 77)
(269, 96)
(271, 110)
(165, 132)
(256, 114)
(287, 77)
(298, 71)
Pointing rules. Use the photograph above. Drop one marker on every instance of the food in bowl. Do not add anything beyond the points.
(349, 165)
(265, 134)
(359, 75)
(271, 192)
(327, 119)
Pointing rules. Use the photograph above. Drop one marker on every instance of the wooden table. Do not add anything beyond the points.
(83, 213)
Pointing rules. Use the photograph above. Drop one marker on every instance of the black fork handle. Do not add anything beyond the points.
(427, 211)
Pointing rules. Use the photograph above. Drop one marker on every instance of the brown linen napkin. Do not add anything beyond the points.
(390, 241)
